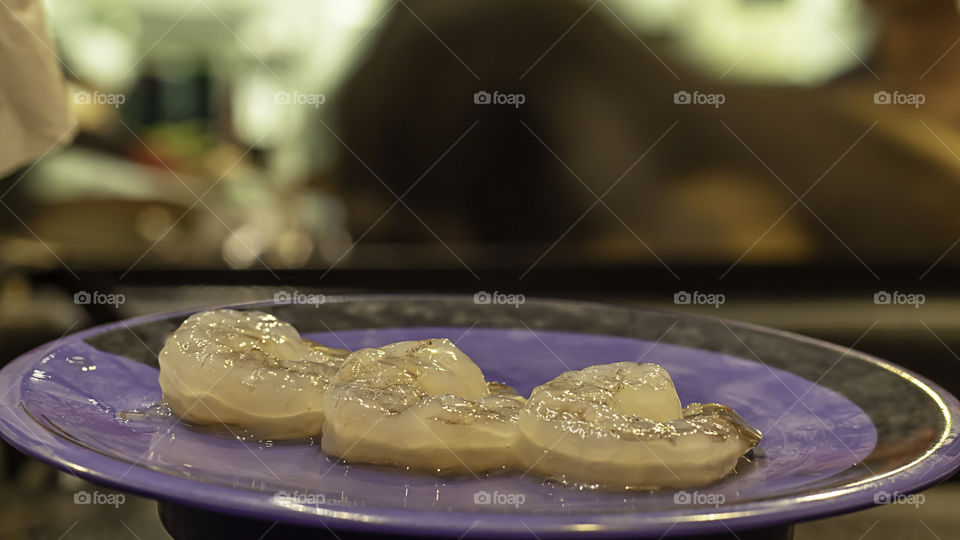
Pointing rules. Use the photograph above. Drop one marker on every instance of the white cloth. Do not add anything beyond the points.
(34, 112)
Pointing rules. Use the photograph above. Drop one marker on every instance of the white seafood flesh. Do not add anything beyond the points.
(249, 370)
(620, 426)
(426, 405)
(423, 405)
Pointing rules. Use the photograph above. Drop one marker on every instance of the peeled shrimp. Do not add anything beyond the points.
(249, 370)
(620, 426)
(423, 405)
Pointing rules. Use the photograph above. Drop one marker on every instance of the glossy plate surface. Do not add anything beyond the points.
(841, 430)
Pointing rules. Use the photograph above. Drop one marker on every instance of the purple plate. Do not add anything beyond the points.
(842, 430)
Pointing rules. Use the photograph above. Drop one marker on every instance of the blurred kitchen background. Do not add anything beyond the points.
(799, 158)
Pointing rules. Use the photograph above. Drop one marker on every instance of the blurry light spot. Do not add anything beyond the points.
(153, 222)
(100, 54)
(242, 248)
(294, 247)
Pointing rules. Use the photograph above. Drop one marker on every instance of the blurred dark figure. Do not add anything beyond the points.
(413, 99)
(774, 174)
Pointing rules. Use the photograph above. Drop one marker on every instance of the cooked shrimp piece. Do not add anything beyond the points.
(247, 370)
(422, 405)
(620, 426)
